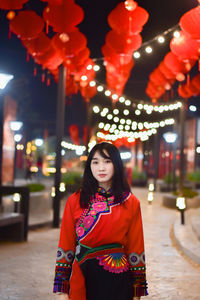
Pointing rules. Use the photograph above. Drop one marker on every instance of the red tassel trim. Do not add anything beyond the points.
(47, 27)
(48, 81)
(43, 77)
(188, 79)
(9, 34)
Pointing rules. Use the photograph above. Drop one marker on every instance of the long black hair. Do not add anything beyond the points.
(119, 182)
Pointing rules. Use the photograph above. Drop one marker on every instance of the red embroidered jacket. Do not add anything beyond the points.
(104, 222)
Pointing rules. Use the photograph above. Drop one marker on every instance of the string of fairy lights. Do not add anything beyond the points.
(146, 48)
(128, 128)
(125, 127)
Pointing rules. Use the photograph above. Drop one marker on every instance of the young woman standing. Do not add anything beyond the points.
(101, 247)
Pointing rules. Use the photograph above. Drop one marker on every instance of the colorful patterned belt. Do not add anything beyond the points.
(84, 252)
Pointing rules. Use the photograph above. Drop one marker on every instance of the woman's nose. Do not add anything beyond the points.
(101, 166)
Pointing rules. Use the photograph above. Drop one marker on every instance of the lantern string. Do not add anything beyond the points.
(155, 38)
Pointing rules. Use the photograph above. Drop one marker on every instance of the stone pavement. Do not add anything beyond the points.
(27, 269)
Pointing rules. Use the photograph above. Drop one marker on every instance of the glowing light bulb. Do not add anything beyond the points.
(192, 108)
(148, 49)
(64, 37)
(109, 117)
(100, 88)
(126, 112)
(84, 78)
(161, 39)
(116, 111)
(96, 109)
(127, 102)
(121, 99)
(107, 93)
(89, 67)
(137, 112)
(114, 96)
(130, 5)
(96, 68)
(101, 125)
(136, 54)
(92, 83)
(176, 34)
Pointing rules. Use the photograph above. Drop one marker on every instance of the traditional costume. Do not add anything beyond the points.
(101, 249)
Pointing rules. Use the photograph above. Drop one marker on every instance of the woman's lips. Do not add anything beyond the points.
(102, 175)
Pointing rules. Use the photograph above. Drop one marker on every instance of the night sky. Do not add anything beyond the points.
(41, 100)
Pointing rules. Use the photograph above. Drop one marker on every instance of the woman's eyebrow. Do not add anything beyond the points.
(94, 158)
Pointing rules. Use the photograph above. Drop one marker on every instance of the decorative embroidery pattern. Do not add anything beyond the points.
(67, 255)
(139, 282)
(135, 259)
(98, 205)
(63, 270)
(61, 280)
(114, 262)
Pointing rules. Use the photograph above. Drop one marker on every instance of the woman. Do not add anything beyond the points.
(101, 247)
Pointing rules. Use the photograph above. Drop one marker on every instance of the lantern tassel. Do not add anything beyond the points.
(9, 34)
(48, 81)
(188, 79)
(199, 65)
(47, 27)
(35, 71)
(172, 93)
(27, 56)
(43, 77)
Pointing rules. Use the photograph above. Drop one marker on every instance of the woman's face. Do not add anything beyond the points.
(102, 169)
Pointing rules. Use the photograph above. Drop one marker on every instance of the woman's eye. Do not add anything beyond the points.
(108, 161)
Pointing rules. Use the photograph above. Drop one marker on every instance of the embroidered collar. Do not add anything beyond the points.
(103, 192)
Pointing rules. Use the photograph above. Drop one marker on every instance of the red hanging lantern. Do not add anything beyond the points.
(115, 58)
(74, 133)
(83, 75)
(174, 64)
(195, 82)
(154, 91)
(184, 47)
(166, 71)
(27, 25)
(190, 21)
(123, 44)
(85, 134)
(70, 47)
(193, 89)
(50, 59)
(55, 2)
(157, 77)
(127, 21)
(39, 45)
(64, 17)
(81, 57)
(184, 92)
(88, 92)
(12, 4)
(71, 86)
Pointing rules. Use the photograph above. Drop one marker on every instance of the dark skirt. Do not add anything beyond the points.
(104, 285)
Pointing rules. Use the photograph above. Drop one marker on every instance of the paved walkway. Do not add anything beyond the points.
(27, 269)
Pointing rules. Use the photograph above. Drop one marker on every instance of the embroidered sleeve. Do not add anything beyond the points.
(65, 253)
(135, 250)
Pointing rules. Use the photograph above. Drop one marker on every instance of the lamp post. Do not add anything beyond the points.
(59, 136)
(181, 205)
(170, 138)
(15, 127)
(4, 79)
(182, 142)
